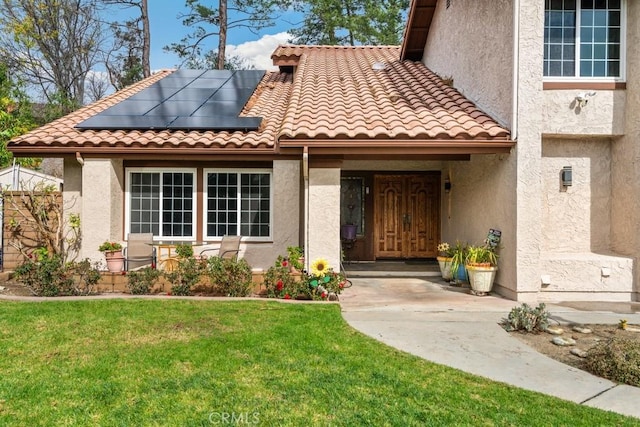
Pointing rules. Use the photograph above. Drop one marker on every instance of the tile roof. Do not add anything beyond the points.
(336, 97)
(269, 101)
(337, 94)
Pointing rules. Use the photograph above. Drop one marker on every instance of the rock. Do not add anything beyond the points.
(632, 329)
(2, 288)
(563, 342)
(581, 329)
(579, 352)
(554, 330)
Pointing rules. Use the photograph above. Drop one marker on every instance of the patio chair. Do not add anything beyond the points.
(139, 251)
(228, 249)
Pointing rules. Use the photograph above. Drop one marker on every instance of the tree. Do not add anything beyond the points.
(129, 61)
(52, 43)
(210, 61)
(16, 117)
(209, 21)
(351, 22)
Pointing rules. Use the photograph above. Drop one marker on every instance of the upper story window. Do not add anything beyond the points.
(584, 38)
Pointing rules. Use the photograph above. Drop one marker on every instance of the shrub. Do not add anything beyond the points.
(185, 276)
(48, 275)
(526, 318)
(140, 282)
(229, 277)
(279, 281)
(617, 359)
(184, 250)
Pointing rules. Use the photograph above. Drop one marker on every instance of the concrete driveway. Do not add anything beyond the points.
(449, 326)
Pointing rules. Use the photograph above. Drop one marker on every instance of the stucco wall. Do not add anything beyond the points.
(72, 190)
(472, 42)
(324, 215)
(576, 218)
(102, 204)
(625, 214)
(286, 217)
(602, 115)
(483, 197)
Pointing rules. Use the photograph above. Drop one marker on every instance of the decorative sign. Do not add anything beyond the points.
(493, 238)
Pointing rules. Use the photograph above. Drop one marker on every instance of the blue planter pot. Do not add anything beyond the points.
(461, 274)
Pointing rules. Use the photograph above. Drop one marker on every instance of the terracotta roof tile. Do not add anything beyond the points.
(269, 101)
(337, 94)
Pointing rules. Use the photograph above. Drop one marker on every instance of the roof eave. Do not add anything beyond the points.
(417, 29)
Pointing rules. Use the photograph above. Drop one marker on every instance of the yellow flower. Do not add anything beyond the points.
(320, 267)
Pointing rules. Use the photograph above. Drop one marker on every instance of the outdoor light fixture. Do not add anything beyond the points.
(447, 185)
(567, 176)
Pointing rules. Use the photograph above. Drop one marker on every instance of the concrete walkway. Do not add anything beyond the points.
(448, 326)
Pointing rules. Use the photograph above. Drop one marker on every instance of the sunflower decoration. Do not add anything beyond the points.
(320, 267)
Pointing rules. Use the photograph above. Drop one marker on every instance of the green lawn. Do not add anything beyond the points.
(188, 362)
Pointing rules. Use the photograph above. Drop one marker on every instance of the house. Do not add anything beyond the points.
(412, 145)
(560, 75)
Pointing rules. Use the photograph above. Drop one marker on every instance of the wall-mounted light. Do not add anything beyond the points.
(447, 185)
(566, 175)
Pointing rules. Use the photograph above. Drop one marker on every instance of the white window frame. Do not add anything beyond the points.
(623, 53)
(127, 200)
(205, 191)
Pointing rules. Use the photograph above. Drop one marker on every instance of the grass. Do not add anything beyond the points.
(198, 363)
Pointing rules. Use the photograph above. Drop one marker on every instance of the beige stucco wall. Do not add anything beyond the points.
(324, 216)
(482, 197)
(472, 42)
(576, 218)
(602, 115)
(625, 214)
(286, 217)
(102, 204)
(72, 190)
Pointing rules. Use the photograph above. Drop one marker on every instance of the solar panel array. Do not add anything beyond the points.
(185, 100)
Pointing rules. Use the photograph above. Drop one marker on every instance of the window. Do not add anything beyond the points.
(238, 203)
(162, 203)
(583, 38)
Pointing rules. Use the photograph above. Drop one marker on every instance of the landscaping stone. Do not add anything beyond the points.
(2, 288)
(563, 342)
(579, 352)
(555, 330)
(581, 329)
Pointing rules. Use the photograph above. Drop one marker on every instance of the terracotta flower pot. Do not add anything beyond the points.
(115, 261)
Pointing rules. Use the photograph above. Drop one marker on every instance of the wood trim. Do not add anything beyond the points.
(584, 85)
(198, 164)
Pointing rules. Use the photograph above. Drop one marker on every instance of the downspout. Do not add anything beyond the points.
(305, 176)
(79, 158)
(515, 74)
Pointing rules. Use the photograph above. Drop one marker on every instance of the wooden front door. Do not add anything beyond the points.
(406, 215)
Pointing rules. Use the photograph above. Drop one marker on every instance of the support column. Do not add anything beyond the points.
(324, 216)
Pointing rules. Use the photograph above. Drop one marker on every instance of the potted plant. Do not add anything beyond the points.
(458, 258)
(295, 257)
(445, 253)
(113, 255)
(482, 265)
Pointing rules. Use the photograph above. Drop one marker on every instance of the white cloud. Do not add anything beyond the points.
(258, 52)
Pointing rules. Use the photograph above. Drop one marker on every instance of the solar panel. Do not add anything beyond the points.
(186, 99)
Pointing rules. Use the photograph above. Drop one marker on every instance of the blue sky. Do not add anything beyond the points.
(167, 28)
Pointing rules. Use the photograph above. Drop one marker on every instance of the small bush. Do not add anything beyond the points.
(279, 281)
(185, 276)
(617, 359)
(49, 276)
(526, 318)
(230, 277)
(140, 282)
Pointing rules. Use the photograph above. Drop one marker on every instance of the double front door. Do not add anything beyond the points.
(406, 215)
